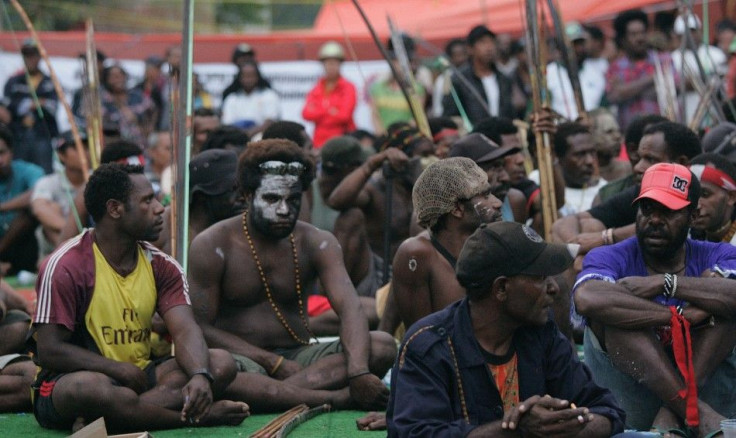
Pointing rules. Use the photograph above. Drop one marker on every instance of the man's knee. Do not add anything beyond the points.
(13, 337)
(383, 350)
(222, 366)
(87, 390)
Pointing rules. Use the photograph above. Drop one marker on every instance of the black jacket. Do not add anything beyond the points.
(440, 352)
(472, 107)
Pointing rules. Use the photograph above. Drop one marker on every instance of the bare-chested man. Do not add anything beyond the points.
(451, 198)
(366, 189)
(249, 276)
(340, 156)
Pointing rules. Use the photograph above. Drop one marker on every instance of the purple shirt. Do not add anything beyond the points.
(624, 259)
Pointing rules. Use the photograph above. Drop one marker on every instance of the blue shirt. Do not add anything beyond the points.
(625, 259)
(23, 178)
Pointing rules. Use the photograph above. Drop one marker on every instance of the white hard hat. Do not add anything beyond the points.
(331, 49)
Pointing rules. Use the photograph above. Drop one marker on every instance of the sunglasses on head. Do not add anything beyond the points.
(281, 168)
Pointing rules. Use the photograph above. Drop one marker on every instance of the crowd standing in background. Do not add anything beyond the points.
(385, 236)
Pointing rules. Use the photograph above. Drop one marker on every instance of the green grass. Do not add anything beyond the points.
(335, 424)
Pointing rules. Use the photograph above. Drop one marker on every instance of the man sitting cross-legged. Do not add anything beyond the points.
(451, 198)
(16, 369)
(653, 297)
(96, 297)
(493, 364)
(249, 276)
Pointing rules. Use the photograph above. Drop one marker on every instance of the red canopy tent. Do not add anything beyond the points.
(434, 20)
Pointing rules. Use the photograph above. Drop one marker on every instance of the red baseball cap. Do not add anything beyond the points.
(667, 183)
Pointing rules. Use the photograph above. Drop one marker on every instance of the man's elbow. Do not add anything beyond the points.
(584, 301)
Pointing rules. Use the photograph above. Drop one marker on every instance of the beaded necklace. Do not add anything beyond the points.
(275, 308)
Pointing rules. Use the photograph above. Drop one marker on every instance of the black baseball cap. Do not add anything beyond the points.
(509, 249)
(213, 172)
(480, 148)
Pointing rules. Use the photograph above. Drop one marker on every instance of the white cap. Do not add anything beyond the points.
(693, 23)
(331, 49)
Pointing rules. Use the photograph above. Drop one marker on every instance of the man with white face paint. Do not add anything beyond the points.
(249, 277)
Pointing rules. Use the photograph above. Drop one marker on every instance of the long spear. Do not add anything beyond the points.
(183, 145)
(57, 87)
(92, 95)
(405, 64)
(544, 149)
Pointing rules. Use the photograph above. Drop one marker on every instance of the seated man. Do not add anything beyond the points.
(96, 297)
(16, 369)
(53, 194)
(576, 151)
(492, 364)
(657, 296)
(17, 177)
(451, 198)
(491, 158)
(340, 156)
(250, 274)
(213, 194)
(366, 187)
(715, 219)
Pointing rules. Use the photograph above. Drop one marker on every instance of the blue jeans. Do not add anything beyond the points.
(640, 404)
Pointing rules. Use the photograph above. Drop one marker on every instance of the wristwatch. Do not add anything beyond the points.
(206, 373)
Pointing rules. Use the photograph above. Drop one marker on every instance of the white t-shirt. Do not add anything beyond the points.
(493, 94)
(257, 107)
(592, 85)
(57, 189)
(576, 200)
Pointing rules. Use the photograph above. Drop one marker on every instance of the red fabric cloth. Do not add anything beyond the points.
(317, 305)
(682, 348)
(332, 113)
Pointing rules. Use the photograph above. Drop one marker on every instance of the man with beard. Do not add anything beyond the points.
(493, 364)
(250, 275)
(613, 221)
(660, 316)
(213, 194)
(96, 297)
(451, 198)
(630, 78)
(366, 187)
(717, 176)
(491, 159)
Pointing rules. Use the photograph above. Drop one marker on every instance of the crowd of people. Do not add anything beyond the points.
(319, 263)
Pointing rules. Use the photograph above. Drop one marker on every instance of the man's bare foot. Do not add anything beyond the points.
(710, 420)
(372, 421)
(665, 420)
(226, 413)
(79, 424)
